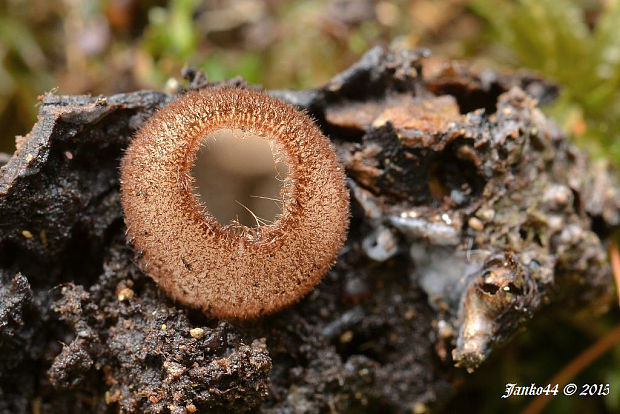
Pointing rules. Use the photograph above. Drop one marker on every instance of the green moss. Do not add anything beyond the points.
(555, 38)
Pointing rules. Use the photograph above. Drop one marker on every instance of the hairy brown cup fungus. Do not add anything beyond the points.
(227, 271)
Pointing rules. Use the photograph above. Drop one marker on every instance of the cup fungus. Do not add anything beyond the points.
(228, 270)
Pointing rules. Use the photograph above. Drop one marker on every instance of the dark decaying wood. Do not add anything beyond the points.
(470, 211)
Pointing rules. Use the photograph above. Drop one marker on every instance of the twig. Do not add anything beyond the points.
(615, 265)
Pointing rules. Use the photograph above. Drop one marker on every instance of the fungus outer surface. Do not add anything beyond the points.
(228, 271)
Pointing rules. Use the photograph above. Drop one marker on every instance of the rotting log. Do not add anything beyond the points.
(470, 211)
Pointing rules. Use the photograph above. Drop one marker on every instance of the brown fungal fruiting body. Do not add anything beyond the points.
(227, 272)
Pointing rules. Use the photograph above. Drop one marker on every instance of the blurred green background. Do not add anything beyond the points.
(109, 46)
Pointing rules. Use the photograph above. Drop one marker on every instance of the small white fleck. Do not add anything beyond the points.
(197, 333)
